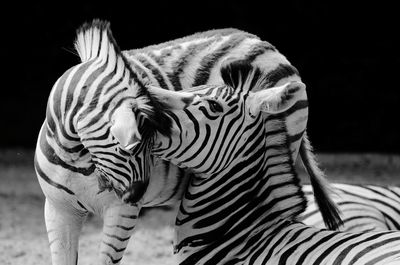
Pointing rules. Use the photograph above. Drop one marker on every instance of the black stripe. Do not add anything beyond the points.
(179, 65)
(158, 59)
(299, 105)
(200, 149)
(117, 172)
(196, 132)
(53, 158)
(58, 90)
(76, 149)
(383, 204)
(113, 163)
(43, 176)
(122, 239)
(114, 247)
(129, 216)
(216, 137)
(104, 108)
(205, 113)
(116, 156)
(82, 206)
(154, 70)
(280, 72)
(140, 70)
(84, 89)
(306, 253)
(126, 228)
(94, 105)
(288, 252)
(114, 261)
(382, 257)
(296, 137)
(257, 50)
(343, 254)
(257, 254)
(208, 62)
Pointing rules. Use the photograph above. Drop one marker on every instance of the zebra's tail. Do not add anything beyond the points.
(321, 187)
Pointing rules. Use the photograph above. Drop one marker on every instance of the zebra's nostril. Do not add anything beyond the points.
(135, 192)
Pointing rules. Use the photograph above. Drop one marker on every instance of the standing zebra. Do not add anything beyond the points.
(244, 199)
(363, 207)
(100, 112)
(81, 150)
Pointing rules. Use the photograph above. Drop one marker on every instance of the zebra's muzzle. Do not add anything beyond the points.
(135, 192)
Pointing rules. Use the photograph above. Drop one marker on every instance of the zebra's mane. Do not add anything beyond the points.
(279, 149)
(95, 40)
(243, 77)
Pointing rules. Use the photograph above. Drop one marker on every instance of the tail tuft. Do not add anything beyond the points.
(321, 187)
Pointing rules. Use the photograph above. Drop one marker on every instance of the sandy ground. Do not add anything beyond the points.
(22, 231)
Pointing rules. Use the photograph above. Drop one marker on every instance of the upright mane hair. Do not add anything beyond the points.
(95, 40)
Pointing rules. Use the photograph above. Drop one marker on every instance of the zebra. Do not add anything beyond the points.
(244, 199)
(363, 207)
(196, 60)
(84, 145)
(107, 108)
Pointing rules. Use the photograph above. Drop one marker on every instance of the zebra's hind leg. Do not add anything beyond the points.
(119, 223)
(63, 229)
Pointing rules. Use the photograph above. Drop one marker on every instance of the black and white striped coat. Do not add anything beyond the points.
(77, 157)
(242, 207)
(197, 60)
(363, 207)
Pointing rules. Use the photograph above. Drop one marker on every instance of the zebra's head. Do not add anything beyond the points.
(112, 112)
(207, 135)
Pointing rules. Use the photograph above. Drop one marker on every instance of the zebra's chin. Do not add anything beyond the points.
(105, 184)
(134, 193)
(131, 196)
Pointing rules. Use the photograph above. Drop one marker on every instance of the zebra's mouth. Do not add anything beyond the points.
(105, 184)
(130, 196)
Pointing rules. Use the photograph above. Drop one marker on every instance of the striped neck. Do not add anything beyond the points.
(250, 196)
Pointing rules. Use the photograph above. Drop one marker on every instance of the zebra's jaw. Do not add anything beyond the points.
(105, 184)
(132, 196)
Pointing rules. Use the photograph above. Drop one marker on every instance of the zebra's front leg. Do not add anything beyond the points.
(64, 225)
(119, 223)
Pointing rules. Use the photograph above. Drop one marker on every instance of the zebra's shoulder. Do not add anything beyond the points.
(214, 33)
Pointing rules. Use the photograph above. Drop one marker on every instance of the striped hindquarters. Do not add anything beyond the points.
(297, 244)
(363, 207)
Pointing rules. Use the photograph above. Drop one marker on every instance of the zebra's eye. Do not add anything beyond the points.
(215, 106)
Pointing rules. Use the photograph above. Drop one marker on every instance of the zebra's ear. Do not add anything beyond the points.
(124, 127)
(276, 99)
(173, 100)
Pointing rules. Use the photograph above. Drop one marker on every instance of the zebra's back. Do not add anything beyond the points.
(196, 60)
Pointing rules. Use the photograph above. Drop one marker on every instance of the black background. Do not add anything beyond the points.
(346, 53)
